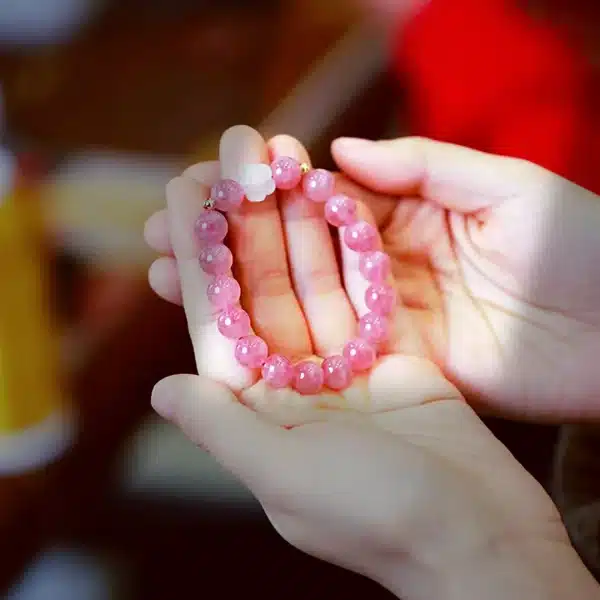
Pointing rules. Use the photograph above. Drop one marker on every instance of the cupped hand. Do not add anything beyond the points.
(496, 262)
(394, 475)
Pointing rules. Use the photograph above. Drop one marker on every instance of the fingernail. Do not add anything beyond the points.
(162, 400)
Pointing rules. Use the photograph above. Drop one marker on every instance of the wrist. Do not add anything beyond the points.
(536, 569)
(533, 569)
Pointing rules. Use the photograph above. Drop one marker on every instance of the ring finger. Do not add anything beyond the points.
(313, 263)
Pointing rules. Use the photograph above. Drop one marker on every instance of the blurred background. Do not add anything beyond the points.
(103, 101)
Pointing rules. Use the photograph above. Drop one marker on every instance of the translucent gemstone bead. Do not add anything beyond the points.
(287, 173)
(277, 371)
(375, 266)
(227, 194)
(360, 354)
(373, 328)
(360, 236)
(380, 298)
(216, 259)
(337, 372)
(308, 378)
(233, 323)
(211, 227)
(340, 210)
(318, 185)
(251, 351)
(223, 292)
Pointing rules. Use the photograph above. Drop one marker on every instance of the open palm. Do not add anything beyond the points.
(299, 300)
(494, 261)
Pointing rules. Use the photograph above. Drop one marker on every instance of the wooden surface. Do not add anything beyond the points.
(153, 85)
(168, 84)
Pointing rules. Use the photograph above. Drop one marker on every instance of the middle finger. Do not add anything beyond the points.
(258, 245)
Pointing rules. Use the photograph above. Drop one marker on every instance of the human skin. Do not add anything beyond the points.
(396, 478)
(495, 265)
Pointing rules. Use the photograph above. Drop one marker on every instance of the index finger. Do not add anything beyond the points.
(214, 352)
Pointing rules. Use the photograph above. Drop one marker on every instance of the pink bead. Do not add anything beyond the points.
(337, 372)
(308, 378)
(318, 185)
(233, 323)
(211, 227)
(287, 173)
(380, 298)
(373, 328)
(360, 236)
(227, 194)
(340, 210)
(375, 266)
(251, 351)
(277, 371)
(223, 292)
(216, 259)
(360, 354)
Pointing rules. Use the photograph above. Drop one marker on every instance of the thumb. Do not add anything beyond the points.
(455, 177)
(211, 416)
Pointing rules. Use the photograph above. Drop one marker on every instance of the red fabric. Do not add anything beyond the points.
(485, 74)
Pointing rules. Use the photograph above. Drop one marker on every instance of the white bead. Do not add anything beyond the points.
(257, 181)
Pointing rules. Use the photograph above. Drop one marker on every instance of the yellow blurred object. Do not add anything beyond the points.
(34, 423)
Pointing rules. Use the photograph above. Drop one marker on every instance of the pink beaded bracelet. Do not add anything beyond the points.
(255, 183)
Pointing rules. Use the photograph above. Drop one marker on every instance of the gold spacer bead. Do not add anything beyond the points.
(305, 168)
(209, 204)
